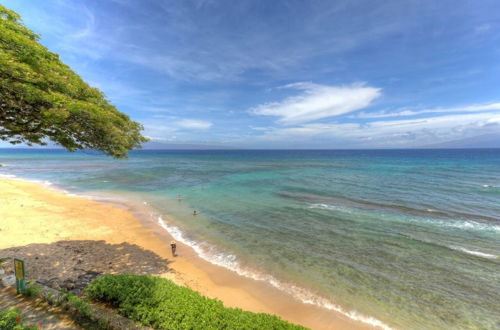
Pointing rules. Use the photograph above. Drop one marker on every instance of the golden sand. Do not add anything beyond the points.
(31, 213)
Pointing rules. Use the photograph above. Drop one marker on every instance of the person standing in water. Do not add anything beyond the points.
(195, 213)
(173, 245)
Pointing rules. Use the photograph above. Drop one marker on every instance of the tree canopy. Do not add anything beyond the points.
(42, 99)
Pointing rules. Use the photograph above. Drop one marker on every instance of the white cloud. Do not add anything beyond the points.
(387, 133)
(194, 124)
(318, 101)
(408, 112)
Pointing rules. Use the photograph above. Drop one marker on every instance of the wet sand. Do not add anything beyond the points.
(31, 213)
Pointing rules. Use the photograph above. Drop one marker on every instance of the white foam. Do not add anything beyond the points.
(8, 176)
(45, 183)
(474, 253)
(462, 224)
(329, 207)
(229, 261)
(472, 225)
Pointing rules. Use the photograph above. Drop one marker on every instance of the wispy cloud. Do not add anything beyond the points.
(318, 101)
(483, 28)
(408, 112)
(89, 27)
(169, 128)
(194, 124)
(390, 133)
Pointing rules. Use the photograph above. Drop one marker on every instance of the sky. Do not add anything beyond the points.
(286, 73)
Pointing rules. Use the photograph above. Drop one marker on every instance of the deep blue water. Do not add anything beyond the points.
(409, 238)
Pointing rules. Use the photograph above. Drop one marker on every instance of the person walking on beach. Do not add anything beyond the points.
(173, 245)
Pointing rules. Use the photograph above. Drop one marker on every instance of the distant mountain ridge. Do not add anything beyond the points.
(153, 145)
(481, 141)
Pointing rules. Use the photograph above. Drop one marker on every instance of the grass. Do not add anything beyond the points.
(160, 303)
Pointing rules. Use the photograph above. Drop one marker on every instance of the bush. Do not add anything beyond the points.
(12, 320)
(79, 306)
(33, 290)
(160, 303)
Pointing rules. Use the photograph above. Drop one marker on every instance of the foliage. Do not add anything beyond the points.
(33, 290)
(42, 98)
(12, 320)
(79, 305)
(160, 303)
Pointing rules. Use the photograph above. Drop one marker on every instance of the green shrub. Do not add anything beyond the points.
(33, 290)
(80, 306)
(160, 303)
(12, 320)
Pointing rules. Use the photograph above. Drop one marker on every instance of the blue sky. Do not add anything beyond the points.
(286, 74)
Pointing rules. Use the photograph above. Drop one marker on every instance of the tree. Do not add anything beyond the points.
(42, 99)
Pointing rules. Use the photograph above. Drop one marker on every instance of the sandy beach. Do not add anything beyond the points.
(58, 233)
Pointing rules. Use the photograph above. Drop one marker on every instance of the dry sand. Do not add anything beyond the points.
(59, 234)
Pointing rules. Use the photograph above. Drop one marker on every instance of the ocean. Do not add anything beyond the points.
(406, 239)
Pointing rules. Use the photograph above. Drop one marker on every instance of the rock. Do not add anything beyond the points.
(8, 280)
(68, 284)
(42, 282)
(2, 271)
(54, 284)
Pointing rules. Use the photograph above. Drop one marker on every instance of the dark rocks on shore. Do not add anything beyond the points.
(75, 286)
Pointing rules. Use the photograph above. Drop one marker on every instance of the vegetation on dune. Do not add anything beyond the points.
(160, 303)
(42, 99)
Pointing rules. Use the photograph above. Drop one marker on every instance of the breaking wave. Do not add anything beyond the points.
(229, 261)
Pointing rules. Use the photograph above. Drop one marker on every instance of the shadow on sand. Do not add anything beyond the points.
(65, 260)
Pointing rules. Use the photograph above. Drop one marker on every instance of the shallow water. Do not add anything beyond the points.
(403, 238)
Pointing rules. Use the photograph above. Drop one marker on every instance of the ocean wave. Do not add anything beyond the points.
(459, 224)
(347, 203)
(329, 207)
(474, 253)
(229, 261)
(8, 176)
(45, 183)
(465, 225)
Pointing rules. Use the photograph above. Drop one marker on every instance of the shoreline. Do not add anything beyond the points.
(131, 223)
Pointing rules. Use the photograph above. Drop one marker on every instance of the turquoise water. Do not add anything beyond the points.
(406, 239)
